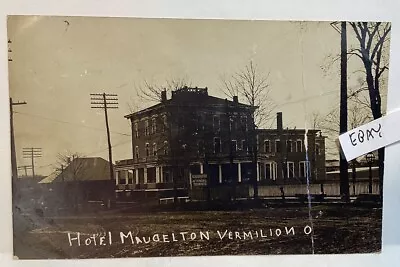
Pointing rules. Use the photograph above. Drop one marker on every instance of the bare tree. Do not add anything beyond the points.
(70, 167)
(316, 120)
(253, 86)
(358, 114)
(373, 38)
(70, 160)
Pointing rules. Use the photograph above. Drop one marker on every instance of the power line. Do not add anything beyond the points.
(90, 154)
(308, 98)
(67, 122)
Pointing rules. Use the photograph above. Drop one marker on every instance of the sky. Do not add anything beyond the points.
(59, 61)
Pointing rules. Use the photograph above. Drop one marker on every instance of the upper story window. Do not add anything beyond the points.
(136, 152)
(136, 129)
(278, 146)
(299, 146)
(267, 146)
(146, 127)
(217, 145)
(165, 123)
(289, 147)
(245, 146)
(243, 123)
(232, 123)
(147, 149)
(317, 149)
(165, 147)
(216, 123)
(154, 149)
(153, 125)
(233, 146)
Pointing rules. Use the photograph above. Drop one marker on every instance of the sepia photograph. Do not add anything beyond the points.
(139, 137)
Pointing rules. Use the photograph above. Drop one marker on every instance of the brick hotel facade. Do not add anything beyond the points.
(195, 133)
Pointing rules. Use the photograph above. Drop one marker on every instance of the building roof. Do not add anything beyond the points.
(189, 96)
(84, 169)
(49, 179)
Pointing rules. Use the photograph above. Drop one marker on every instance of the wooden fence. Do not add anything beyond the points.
(330, 189)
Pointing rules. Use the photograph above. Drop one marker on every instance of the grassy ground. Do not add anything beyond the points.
(336, 230)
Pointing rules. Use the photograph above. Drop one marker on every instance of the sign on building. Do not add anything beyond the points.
(199, 180)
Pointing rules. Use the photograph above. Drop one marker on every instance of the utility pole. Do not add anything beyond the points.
(25, 168)
(32, 153)
(9, 50)
(13, 153)
(344, 166)
(106, 101)
(344, 175)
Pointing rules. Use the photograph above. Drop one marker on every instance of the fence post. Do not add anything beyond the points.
(282, 193)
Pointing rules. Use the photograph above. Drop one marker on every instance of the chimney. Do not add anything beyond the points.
(279, 124)
(235, 99)
(163, 96)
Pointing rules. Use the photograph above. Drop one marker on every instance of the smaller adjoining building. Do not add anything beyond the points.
(83, 179)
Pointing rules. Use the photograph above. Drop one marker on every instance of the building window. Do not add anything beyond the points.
(289, 146)
(154, 149)
(216, 123)
(245, 147)
(131, 176)
(243, 123)
(153, 125)
(304, 167)
(136, 127)
(233, 146)
(271, 170)
(146, 127)
(317, 150)
(165, 123)
(122, 177)
(290, 169)
(147, 150)
(136, 152)
(232, 123)
(217, 145)
(299, 146)
(267, 146)
(165, 148)
(277, 146)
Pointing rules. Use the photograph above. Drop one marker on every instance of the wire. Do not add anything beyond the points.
(90, 154)
(308, 98)
(67, 122)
